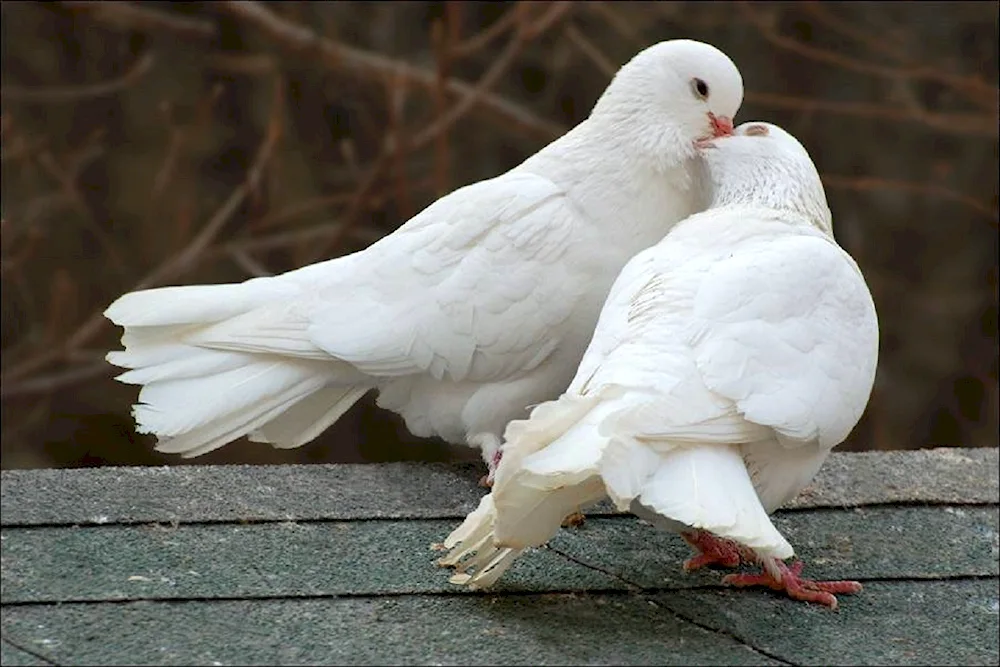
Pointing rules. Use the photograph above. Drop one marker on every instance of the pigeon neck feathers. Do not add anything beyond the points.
(663, 100)
(762, 165)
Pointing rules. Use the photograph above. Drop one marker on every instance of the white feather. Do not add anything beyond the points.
(727, 361)
(308, 418)
(479, 306)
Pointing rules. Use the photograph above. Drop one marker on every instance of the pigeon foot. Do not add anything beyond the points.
(492, 465)
(790, 581)
(712, 550)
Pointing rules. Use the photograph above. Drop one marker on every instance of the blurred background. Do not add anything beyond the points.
(151, 143)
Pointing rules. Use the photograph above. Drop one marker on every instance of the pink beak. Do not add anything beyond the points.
(721, 125)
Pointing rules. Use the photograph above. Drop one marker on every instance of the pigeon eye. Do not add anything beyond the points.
(700, 88)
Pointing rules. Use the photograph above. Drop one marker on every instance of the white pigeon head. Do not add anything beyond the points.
(763, 165)
(670, 100)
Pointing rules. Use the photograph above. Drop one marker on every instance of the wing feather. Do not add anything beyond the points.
(789, 333)
(470, 289)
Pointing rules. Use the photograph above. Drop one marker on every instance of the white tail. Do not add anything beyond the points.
(197, 397)
(473, 547)
(574, 451)
(707, 486)
(527, 506)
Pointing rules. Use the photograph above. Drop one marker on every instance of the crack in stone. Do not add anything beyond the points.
(645, 595)
(725, 633)
(24, 649)
(610, 513)
(632, 586)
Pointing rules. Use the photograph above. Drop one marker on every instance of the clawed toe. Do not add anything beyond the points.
(797, 588)
(712, 551)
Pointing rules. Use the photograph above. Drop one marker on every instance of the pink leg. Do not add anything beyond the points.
(712, 550)
(790, 581)
(492, 465)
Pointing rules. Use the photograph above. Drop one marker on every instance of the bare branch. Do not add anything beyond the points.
(187, 257)
(555, 11)
(174, 265)
(45, 384)
(617, 22)
(62, 94)
(175, 146)
(484, 37)
(496, 70)
(590, 50)
(397, 142)
(67, 176)
(302, 41)
(358, 201)
(877, 43)
(976, 88)
(979, 93)
(444, 34)
(130, 16)
(248, 64)
(950, 123)
(246, 262)
(277, 218)
(929, 189)
(286, 239)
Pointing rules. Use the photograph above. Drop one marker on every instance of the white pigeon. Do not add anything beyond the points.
(476, 308)
(729, 359)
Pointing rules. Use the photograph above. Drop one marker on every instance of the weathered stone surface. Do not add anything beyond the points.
(334, 565)
(933, 622)
(16, 657)
(558, 629)
(416, 491)
(395, 557)
(865, 543)
(252, 561)
(238, 493)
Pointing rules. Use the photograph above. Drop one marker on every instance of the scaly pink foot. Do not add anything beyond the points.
(797, 588)
(712, 550)
(492, 465)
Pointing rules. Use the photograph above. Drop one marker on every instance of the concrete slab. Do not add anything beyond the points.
(933, 622)
(333, 565)
(63, 564)
(864, 543)
(424, 491)
(557, 629)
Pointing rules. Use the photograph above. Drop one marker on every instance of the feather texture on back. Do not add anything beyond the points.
(728, 360)
(476, 308)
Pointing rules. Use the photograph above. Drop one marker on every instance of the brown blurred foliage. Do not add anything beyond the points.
(168, 143)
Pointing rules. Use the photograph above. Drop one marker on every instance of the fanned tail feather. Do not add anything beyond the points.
(703, 486)
(474, 549)
(305, 420)
(531, 511)
(195, 397)
(195, 304)
(576, 450)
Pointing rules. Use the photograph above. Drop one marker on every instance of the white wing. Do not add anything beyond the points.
(473, 288)
(641, 345)
(774, 331)
(789, 333)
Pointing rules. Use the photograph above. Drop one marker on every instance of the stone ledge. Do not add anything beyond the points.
(333, 565)
(424, 491)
